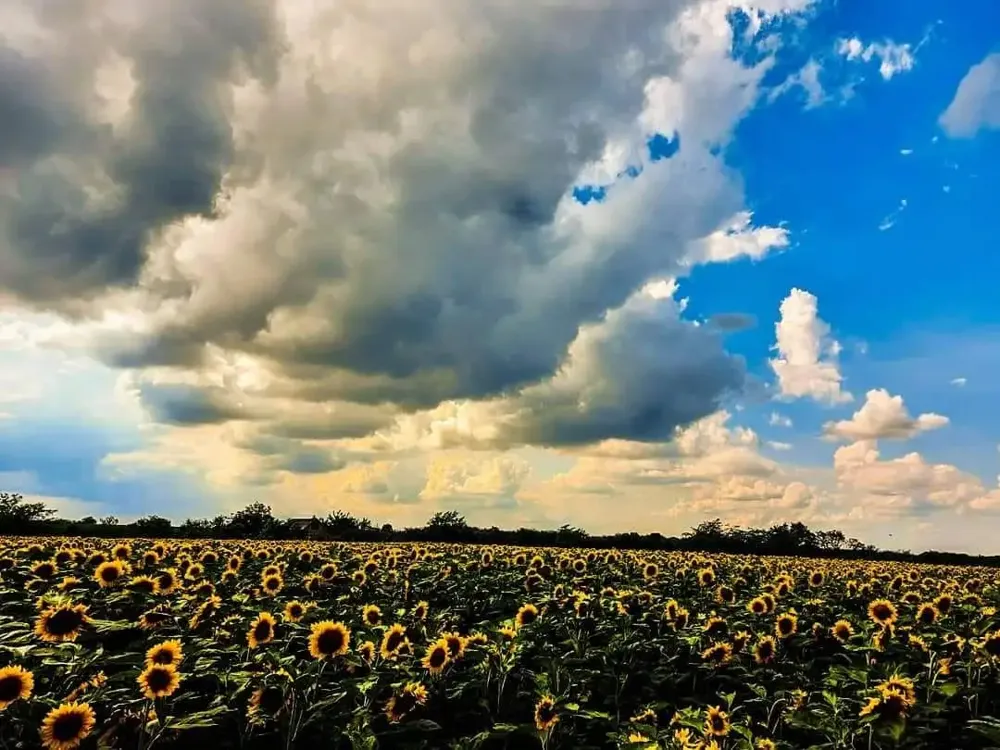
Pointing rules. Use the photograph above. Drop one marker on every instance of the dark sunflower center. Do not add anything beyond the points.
(438, 656)
(992, 646)
(10, 688)
(262, 631)
(163, 656)
(717, 722)
(109, 574)
(295, 610)
(68, 726)
(546, 713)
(392, 640)
(330, 641)
(64, 622)
(158, 679)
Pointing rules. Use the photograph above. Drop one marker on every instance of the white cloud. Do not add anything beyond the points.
(976, 104)
(806, 365)
(883, 416)
(905, 151)
(779, 446)
(893, 58)
(807, 79)
(959, 382)
(907, 484)
(779, 420)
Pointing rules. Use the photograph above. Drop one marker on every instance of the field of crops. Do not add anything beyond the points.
(279, 645)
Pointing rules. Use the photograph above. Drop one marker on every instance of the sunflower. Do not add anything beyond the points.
(65, 727)
(842, 630)
(159, 680)
(681, 619)
(15, 682)
(328, 639)
(367, 651)
(45, 569)
(991, 644)
(526, 615)
(109, 573)
(371, 614)
(294, 611)
(943, 603)
(143, 585)
(816, 578)
(456, 644)
(168, 653)
(718, 653)
(153, 619)
(786, 625)
(272, 585)
(167, 580)
(725, 595)
(545, 714)
(706, 577)
(903, 685)
(882, 611)
(927, 613)
(420, 611)
(715, 626)
(436, 658)
(765, 650)
(359, 577)
(765, 744)
(757, 606)
(402, 703)
(716, 722)
(261, 631)
(394, 638)
(62, 623)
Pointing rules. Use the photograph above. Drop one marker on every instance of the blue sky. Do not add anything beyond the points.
(468, 275)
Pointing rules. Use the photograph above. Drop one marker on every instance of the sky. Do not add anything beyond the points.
(626, 266)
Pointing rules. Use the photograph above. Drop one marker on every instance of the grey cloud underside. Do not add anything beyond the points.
(166, 163)
(461, 284)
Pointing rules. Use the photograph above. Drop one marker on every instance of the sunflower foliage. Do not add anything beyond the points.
(258, 644)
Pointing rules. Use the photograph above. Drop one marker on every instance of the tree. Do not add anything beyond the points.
(153, 526)
(88, 521)
(254, 521)
(447, 519)
(110, 521)
(17, 513)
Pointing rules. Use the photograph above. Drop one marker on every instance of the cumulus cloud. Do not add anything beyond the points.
(493, 480)
(893, 58)
(326, 220)
(779, 420)
(908, 483)
(806, 365)
(883, 416)
(976, 104)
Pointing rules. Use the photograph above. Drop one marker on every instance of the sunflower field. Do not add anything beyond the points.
(242, 644)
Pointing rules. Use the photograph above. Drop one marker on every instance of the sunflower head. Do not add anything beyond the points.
(526, 615)
(842, 630)
(367, 651)
(261, 631)
(765, 650)
(786, 625)
(392, 640)
(882, 611)
(294, 611)
(16, 683)
(167, 653)
(328, 639)
(371, 614)
(546, 716)
(159, 680)
(716, 722)
(67, 725)
(437, 657)
(109, 573)
(61, 623)
(405, 701)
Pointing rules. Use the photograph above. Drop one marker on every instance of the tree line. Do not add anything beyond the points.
(19, 516)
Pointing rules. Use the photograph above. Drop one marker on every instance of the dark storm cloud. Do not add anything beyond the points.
(165, 163)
